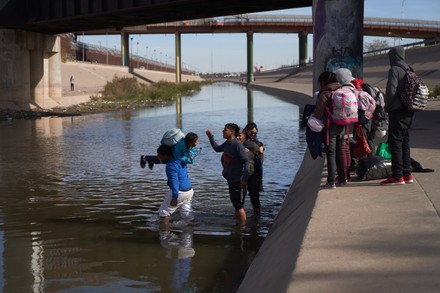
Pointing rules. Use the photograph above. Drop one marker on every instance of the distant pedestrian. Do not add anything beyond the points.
(400, 119)
(72, 83)
(235, 166)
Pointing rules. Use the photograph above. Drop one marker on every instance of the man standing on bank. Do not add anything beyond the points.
(235, 166)
(400, 119)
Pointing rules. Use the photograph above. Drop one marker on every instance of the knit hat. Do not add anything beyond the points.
(343, 75)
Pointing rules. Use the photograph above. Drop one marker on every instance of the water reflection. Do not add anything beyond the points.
(78, 214)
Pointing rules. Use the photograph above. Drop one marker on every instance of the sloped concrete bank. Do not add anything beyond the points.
(272, 269)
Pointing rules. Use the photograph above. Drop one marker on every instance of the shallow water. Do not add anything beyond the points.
(78, 214)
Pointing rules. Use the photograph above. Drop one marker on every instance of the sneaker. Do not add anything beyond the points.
(408, 178)
(393, 181)
(328, 186)
(142, 162)
(342, 183)
(150, 165)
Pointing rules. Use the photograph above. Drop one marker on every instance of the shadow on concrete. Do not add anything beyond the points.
(281, 248)
(131, 71)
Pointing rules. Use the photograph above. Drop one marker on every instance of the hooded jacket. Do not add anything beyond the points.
(324, 101)
(396, 79)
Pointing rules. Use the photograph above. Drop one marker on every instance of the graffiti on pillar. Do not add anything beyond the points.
(338, 34)
(344, 58)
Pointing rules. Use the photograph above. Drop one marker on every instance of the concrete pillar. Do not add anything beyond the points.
(37, 88)
(337, 36)
(14, 70)
(53, 45)
(302, 49)
(125, 53)
(178, 59)
(250, 57)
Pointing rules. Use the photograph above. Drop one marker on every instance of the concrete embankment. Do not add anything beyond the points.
(91, 78)
(363, 237)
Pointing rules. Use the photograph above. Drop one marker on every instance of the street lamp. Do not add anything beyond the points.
(146, 56)
(131, 52)
(137, 53)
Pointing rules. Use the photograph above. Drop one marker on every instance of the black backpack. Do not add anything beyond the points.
(380, 117)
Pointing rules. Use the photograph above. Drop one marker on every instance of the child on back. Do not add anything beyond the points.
(183, 149)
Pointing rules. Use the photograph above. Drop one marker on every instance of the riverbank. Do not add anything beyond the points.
(360, 238)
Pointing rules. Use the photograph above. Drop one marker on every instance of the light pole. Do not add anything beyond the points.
(83, 46)
(402, 12)
(146, 56)
(131, 52)
(137, 53)
(106, 47)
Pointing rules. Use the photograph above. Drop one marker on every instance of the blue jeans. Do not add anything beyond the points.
(398, 139)
(335, 161)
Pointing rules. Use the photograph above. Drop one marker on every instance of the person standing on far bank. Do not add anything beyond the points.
(235, 166)
(400, 119)
(72, 83)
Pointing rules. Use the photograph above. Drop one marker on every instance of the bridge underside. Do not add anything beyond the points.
(53, 17)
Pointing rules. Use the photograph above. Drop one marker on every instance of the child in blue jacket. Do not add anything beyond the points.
(183, 150)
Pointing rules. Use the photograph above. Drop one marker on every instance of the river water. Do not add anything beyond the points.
(78, 214)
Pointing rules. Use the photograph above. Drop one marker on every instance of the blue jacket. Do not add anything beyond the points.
(178, 179)
(181, 153)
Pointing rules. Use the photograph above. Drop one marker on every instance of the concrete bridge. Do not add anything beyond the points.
(30, 52)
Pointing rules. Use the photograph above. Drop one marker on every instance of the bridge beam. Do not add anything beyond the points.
(250, 57)
(30, 74)
(337, 43)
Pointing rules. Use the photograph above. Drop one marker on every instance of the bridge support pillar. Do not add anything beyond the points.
(250, 57)
(337, 43)
(178, 59)
(302, 49)
(37, 84)
(125, 55)
(30, 72)
(53, 58)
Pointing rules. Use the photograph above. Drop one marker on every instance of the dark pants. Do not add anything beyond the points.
(253, 188)
(236, 194)
(153, 159)
(335, 160)
(398, 139)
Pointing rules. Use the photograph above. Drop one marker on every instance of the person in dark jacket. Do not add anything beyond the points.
(235, 166)
(253, 183)
(400, 120)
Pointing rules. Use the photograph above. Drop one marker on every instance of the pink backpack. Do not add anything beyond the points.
(366, 103)
(344, 106)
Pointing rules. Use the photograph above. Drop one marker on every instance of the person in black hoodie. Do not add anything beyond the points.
(400, 119)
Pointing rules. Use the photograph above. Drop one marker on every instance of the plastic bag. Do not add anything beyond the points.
(383, 150)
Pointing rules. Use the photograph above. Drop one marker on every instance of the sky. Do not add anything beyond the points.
(207, 53)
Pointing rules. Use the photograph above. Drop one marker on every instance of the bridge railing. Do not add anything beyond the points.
(283, 18)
